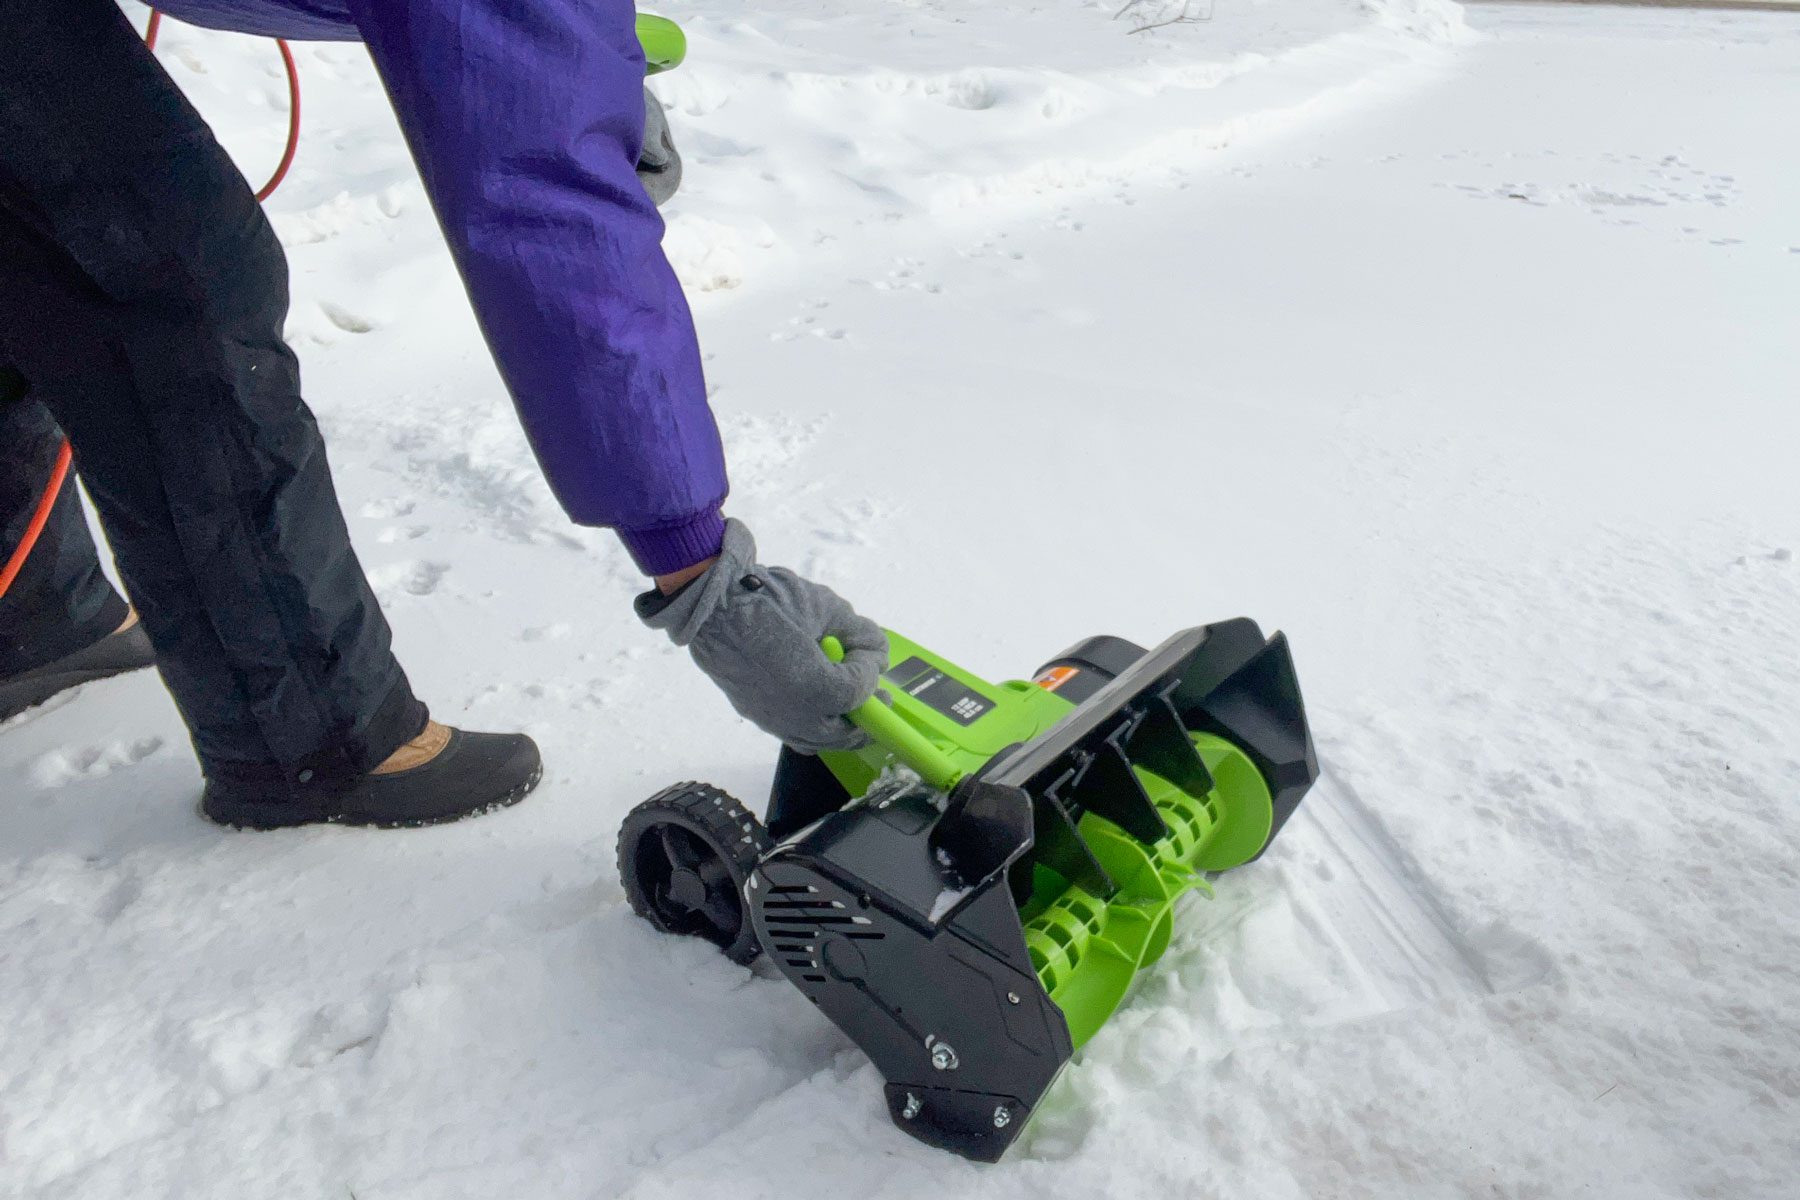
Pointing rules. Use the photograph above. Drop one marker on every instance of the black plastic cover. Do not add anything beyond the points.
(867, 914)
(1238, 685)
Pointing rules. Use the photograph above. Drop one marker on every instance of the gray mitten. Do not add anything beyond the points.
(755, 631)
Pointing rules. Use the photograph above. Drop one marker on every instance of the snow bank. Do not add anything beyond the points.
(800, 119)
(793, 119)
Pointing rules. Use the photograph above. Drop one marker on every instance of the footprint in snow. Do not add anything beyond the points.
(403, 533)
(970, 90)
(346, 320)
(392, 201)
(386, 509)
(1779, 555)
(420, 577)
(59, 768)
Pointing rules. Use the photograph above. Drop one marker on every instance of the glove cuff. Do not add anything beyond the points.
(687, 610)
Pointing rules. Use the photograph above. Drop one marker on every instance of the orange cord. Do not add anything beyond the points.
(60, 472)
(293, 81)
(293, 133)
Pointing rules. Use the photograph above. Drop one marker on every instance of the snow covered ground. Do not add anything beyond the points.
(1468, 358)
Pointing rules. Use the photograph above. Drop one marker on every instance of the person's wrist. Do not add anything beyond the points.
(674, 581)
(682, 612)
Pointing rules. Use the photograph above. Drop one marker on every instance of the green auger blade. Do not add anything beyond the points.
(1087, 947)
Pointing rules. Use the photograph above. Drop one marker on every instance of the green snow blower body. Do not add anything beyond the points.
(970, 896)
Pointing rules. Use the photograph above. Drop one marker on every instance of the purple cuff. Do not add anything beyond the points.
(671, 548)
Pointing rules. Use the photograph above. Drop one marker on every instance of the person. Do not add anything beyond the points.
(142, 298)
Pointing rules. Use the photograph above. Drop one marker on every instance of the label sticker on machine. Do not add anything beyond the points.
(1051, 678)
(939, 692)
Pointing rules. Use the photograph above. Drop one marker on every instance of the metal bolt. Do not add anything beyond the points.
(943, 1057)
(1012, 997)
(911, 1108)
(1002, 1118)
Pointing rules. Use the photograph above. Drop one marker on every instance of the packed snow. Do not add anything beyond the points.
(1462, 351)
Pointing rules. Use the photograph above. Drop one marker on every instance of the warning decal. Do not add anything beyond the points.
(1051, 678)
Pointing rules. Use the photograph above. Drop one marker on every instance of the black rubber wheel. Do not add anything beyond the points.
(684, 856)
(659, 166)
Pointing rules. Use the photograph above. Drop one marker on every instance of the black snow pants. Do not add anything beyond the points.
(142, 297)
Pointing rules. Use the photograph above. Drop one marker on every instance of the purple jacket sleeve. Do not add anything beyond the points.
(526, 118)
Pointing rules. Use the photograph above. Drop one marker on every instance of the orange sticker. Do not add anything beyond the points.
(1051, 678)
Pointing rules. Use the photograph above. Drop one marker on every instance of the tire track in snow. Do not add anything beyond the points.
(1394, 924)
(1335, 926)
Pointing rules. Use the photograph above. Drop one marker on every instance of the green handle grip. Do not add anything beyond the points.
(897, 735)
(663, 42)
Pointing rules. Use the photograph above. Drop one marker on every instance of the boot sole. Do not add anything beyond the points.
(259, 818)
(103, 660)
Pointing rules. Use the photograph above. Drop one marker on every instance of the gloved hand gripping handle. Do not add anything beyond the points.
(875, 718)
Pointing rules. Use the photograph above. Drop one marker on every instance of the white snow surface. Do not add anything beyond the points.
(1467, 358)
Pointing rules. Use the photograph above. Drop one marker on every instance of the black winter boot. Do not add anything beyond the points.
(463, 775)
(117, 653)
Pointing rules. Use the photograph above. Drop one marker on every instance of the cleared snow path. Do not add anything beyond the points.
(1474, 372)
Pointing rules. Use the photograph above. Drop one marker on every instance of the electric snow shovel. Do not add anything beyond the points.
(970, 896)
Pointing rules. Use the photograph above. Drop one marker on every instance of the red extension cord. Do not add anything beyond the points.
(293, 81)
(60, 472)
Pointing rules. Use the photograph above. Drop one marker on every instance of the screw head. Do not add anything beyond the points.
(911, 1108)
(1002, 1116)
(943, 1057)
(1012, 997)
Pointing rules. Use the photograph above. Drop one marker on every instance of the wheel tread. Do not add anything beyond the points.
(717, 816)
